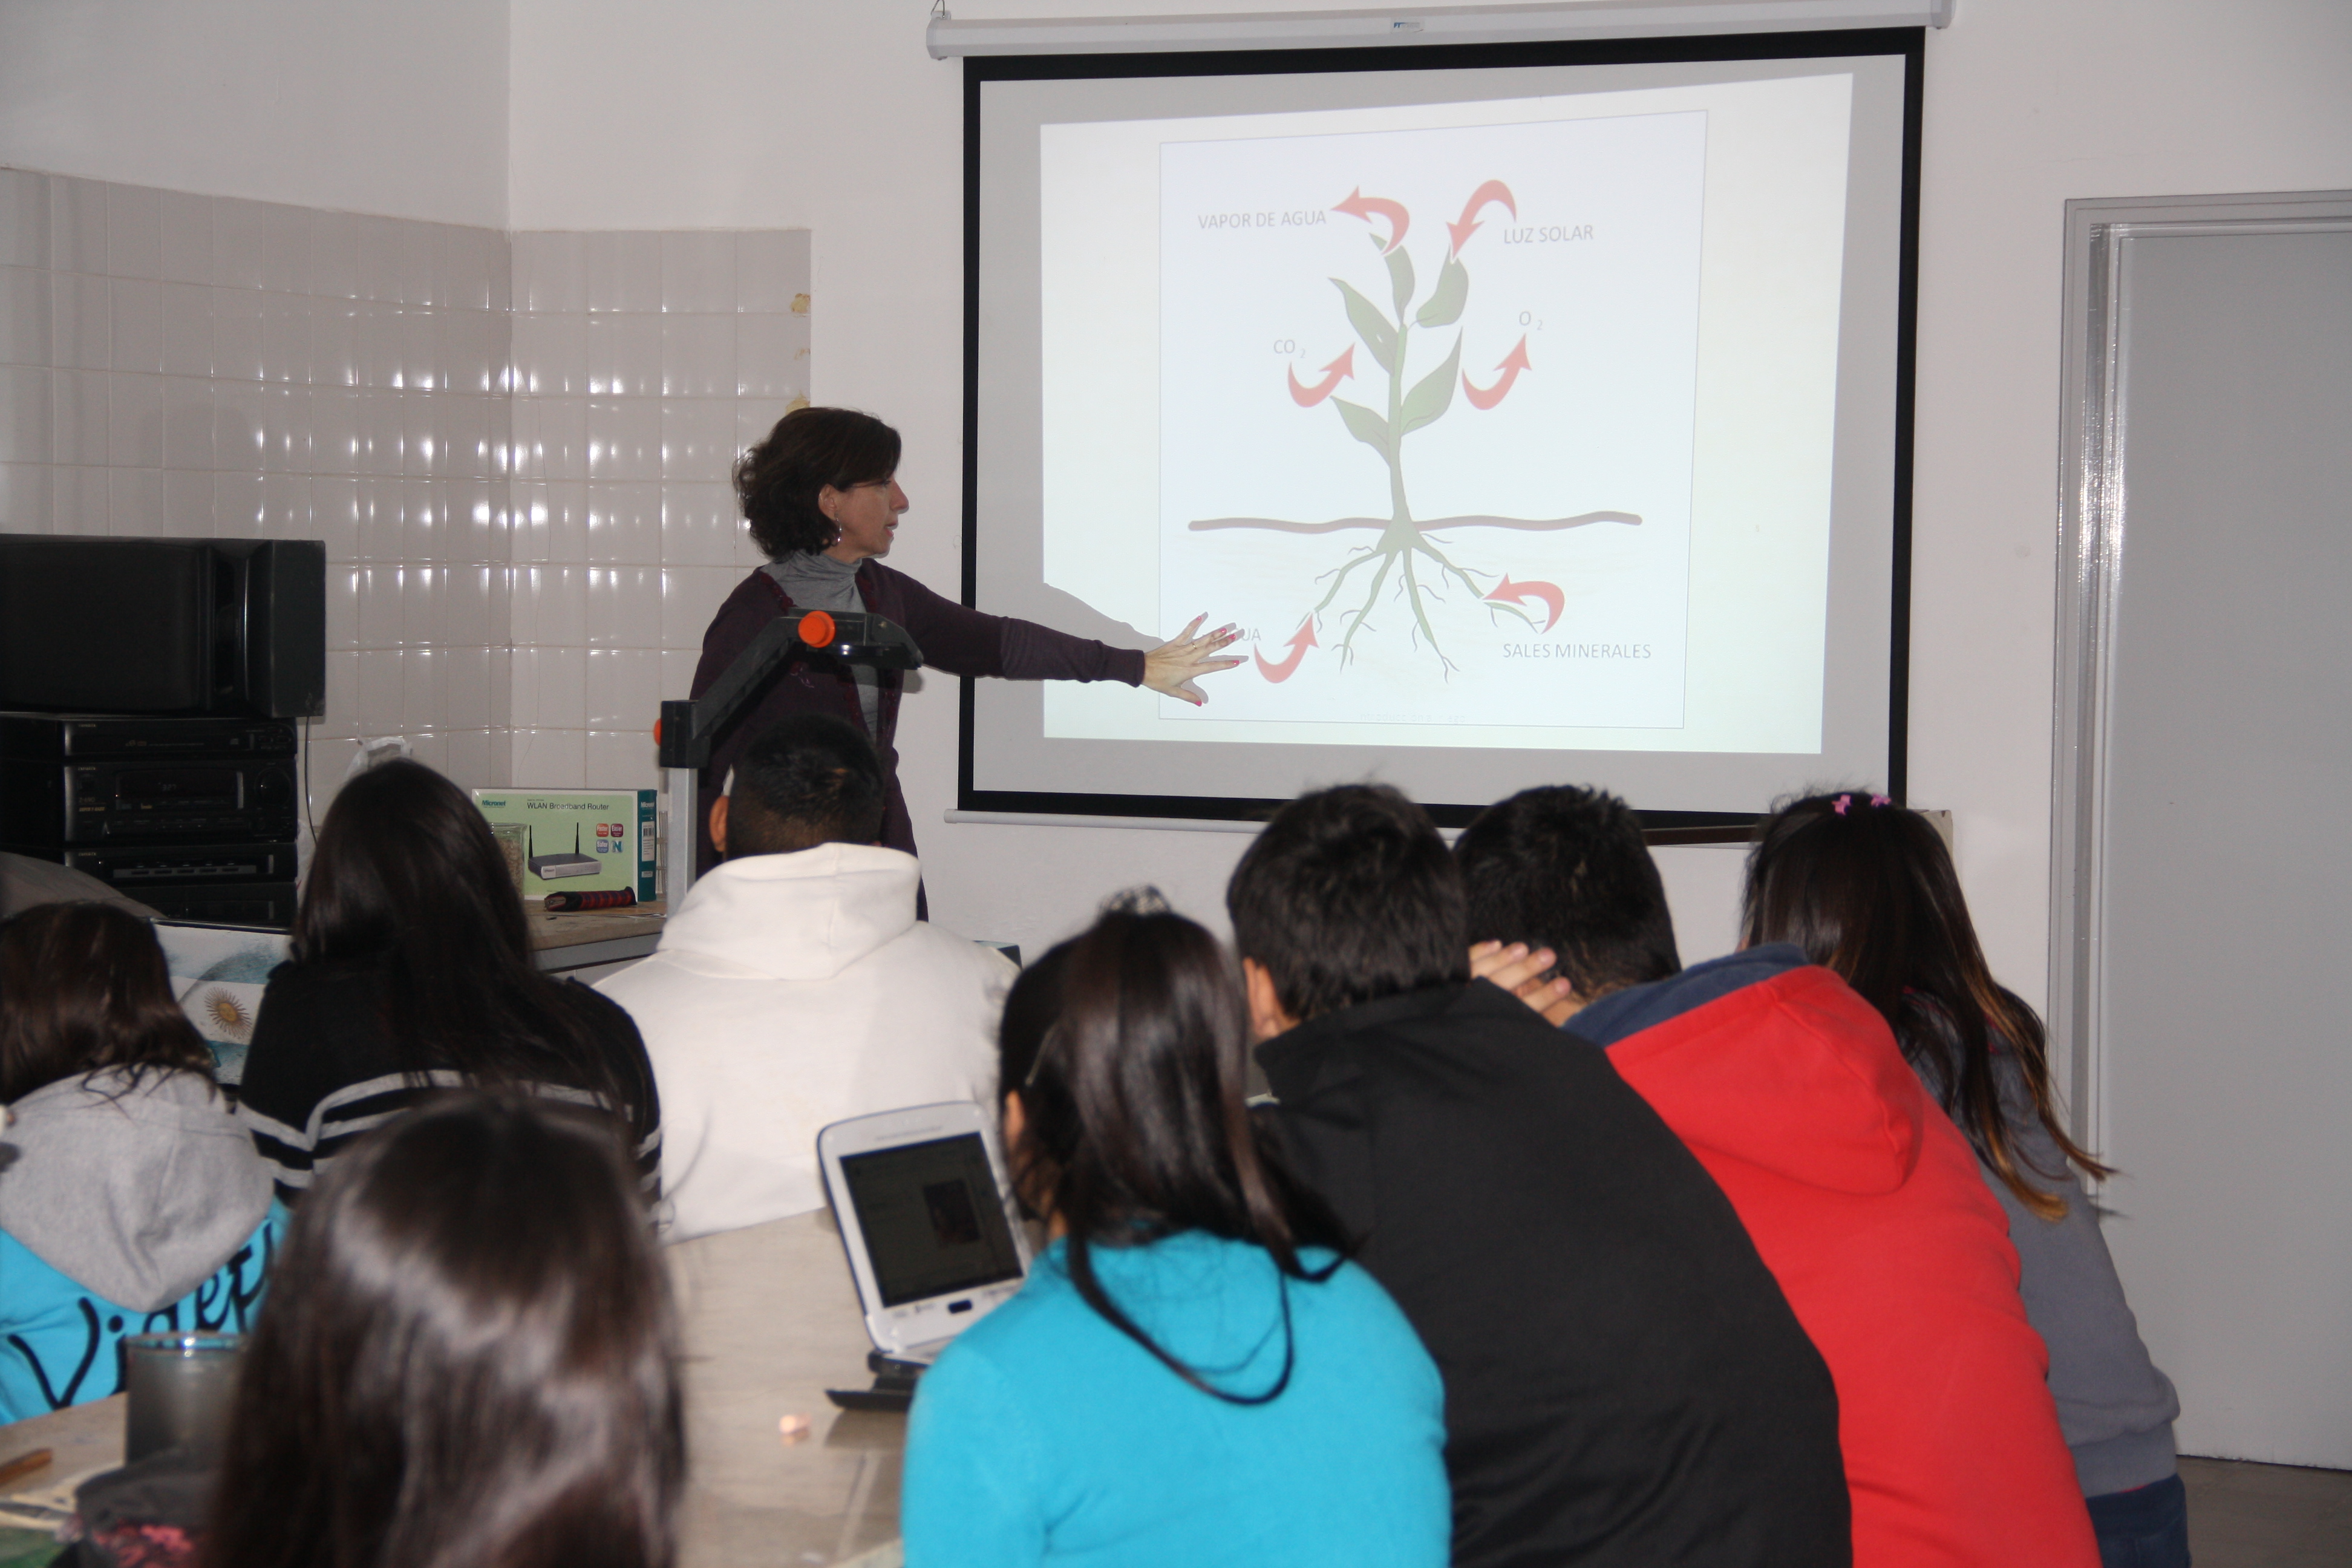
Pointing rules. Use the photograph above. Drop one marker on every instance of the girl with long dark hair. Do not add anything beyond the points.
(413, 973)
(1191, 1374)
(130, 1201)
(470, 1360)
(1868, 890)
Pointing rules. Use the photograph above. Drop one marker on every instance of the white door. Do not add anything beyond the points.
(2204, 914)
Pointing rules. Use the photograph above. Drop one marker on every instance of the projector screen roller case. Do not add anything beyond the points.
(1540, 420)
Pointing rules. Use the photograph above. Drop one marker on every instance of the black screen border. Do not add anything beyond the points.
(866, 1242)
(1906, 44)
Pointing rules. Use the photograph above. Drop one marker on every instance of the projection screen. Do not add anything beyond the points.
(1541, 413)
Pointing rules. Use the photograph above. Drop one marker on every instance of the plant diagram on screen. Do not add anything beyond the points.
(1426, 408)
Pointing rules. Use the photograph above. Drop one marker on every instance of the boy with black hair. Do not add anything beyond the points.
(795, 986)
(1568, 870)
(1625, 1384)
(1860, 1195)
(810, 779)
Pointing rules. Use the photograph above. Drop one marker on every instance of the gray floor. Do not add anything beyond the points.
(2245, 1515)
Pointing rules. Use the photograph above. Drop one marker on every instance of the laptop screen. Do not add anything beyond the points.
(932, 1218)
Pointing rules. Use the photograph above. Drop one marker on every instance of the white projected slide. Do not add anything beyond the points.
(1474, 505)
(1503, 423)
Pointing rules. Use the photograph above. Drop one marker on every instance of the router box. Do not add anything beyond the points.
(581, 840)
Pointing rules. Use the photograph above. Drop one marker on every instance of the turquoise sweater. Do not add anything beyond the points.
(1045, 1435)
(58, 1341)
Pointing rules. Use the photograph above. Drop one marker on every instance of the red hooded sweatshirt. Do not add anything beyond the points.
(1866, 1204)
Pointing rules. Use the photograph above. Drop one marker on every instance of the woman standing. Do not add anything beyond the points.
(821, 496)
(1191, 1374)
(412, 974)
(1868, 890)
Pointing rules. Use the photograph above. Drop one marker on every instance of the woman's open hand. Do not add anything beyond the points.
(1170, 668)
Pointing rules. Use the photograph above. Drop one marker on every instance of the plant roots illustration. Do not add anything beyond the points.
(1421, 570)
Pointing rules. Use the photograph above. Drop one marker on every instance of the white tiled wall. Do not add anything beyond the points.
(516, 451)
(644, 364)
(196, 366)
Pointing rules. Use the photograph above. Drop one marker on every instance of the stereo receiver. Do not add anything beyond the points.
(110, 800)
(270, 904)
(135, 867)
(59, 736)
(235, 884)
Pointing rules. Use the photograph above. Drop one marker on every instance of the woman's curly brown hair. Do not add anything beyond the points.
(779, 480)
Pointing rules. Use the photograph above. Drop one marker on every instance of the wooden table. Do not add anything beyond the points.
(84, 1440)
(771, 1321)
(591, 943)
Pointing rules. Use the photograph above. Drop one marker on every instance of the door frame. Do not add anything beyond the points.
(2095, 429)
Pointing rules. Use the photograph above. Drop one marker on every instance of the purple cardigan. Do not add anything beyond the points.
(954, 638)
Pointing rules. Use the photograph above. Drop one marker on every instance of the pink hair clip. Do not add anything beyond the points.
(1880, 800)
(1839, 803)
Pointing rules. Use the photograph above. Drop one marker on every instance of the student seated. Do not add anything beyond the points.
(1624, 1382)
(1866, 888)
(470, 1357)
(795, 986)
(1862, 1199)
(413, 973)
(130, 1201)
(1191, 1374)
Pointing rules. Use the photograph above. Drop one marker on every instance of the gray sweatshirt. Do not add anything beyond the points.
(136, 1196)
(2115, 1408)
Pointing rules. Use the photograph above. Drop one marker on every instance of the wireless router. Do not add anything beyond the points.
(551, 867)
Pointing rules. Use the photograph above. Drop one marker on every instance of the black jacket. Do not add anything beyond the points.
(1624, 1382)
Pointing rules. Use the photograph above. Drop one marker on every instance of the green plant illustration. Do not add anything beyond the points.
(1409, 409)
(1404, 553)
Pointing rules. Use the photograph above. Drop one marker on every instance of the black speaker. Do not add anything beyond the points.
(280, 589)
(164, 626)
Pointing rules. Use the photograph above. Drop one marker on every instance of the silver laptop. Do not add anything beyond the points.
(927, 1221)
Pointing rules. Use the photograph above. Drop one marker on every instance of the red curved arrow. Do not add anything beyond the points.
(1492, 191)
(1519, 592)
(1359, 204)
(1513, 363)
(1339, 369)
(1300, 641)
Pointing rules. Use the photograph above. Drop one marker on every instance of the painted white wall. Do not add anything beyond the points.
(2030, 103)
(393, 106)
(827, 115)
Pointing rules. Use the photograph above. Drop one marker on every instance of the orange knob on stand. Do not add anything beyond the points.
(816, 628)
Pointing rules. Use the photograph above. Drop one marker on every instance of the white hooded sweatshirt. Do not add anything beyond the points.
(791, 991)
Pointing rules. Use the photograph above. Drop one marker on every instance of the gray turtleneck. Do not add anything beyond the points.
(820, 582)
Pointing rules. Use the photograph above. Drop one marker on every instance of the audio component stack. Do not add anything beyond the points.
(194, 816)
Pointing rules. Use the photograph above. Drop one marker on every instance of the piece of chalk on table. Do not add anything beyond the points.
(794, 1426)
